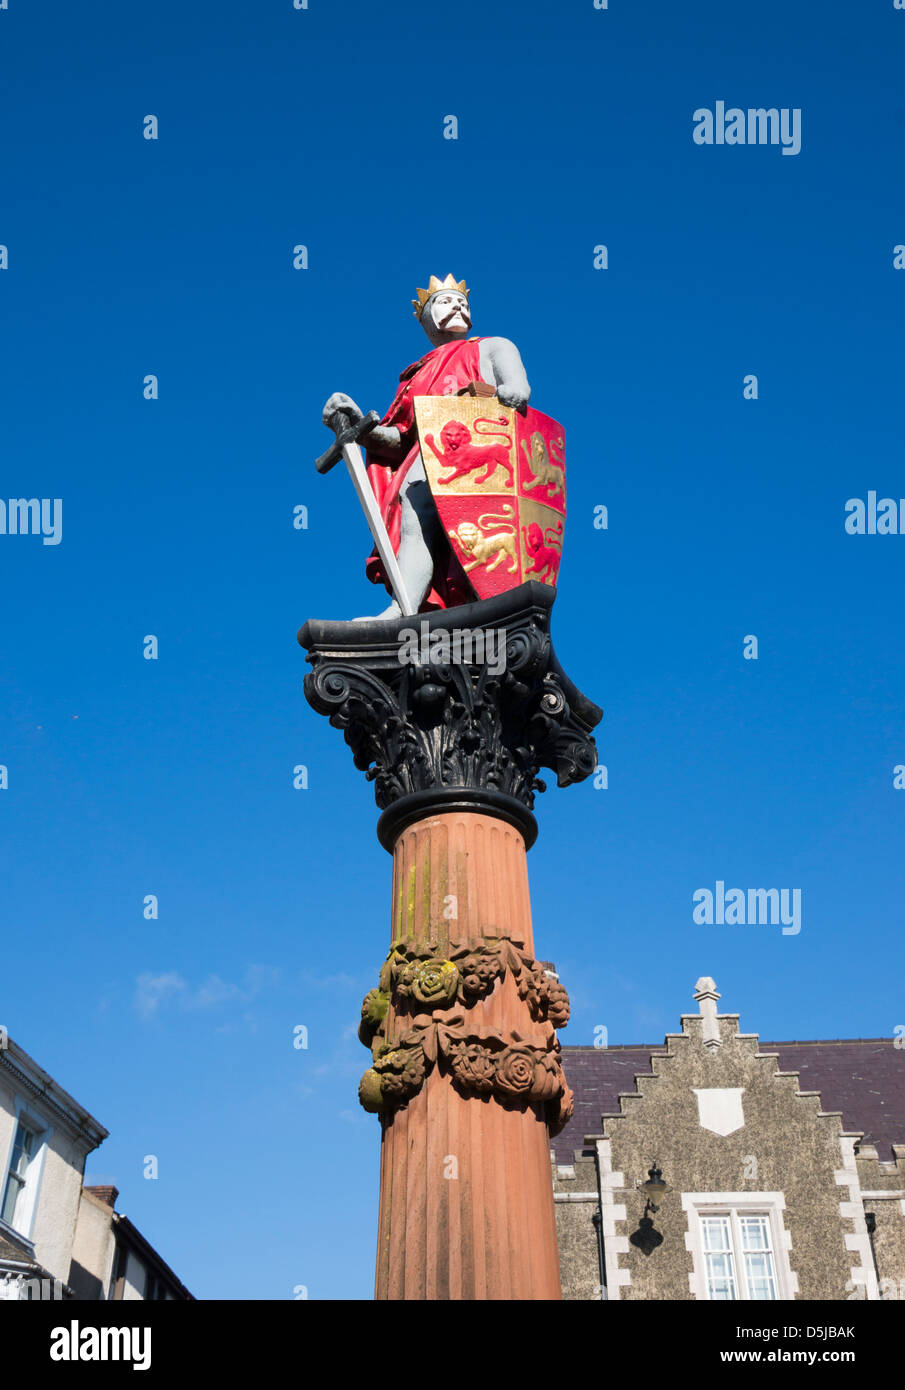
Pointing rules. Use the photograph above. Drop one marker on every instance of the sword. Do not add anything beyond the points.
(346, 446)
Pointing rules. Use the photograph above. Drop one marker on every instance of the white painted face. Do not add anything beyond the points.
(449, 311)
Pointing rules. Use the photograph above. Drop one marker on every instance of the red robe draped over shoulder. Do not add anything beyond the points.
(442, 372)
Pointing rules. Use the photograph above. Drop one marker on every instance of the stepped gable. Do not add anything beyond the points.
(863, 1078)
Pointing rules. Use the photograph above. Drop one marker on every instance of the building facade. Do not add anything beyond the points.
(58, 1238)
(721, 1168)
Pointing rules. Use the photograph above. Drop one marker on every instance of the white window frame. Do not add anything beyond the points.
(736, 1204)
(25, 1220)
(737, 1271)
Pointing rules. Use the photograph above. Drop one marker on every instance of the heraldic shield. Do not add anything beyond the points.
(499, 481)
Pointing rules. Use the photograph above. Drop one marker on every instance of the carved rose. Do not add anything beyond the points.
(431, 981)
(472, 1065)
(515, 1070)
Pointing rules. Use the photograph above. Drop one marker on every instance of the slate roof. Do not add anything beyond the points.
(10, 1249)
(862, 1077)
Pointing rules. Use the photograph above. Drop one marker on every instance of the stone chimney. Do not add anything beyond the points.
(107, 1195)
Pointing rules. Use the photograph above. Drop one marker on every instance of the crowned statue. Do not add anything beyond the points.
(463, 483)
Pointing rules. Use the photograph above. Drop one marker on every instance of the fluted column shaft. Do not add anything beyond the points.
(466, 1194)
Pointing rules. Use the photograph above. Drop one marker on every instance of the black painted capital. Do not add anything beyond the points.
(454, 710)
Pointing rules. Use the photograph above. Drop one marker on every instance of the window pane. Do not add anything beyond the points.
(19, 1154)
(720, 1278)
(715, 1230)
(755, 1232)
(13, 1186)
(759, 1273)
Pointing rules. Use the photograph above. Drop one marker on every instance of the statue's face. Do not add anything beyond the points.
(449, 311)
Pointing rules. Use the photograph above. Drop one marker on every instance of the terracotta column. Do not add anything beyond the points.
(466, 1197)
(465, 1072)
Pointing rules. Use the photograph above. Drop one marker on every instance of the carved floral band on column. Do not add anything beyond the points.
(481, 1060)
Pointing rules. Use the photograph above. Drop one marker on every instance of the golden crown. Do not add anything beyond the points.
(450, 283)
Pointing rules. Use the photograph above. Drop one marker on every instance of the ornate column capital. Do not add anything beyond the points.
(454, 710)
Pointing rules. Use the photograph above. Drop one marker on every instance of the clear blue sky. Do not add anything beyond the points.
(129, 777)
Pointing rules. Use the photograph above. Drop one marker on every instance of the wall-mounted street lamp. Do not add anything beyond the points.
(647, 1238)
(655, 1187)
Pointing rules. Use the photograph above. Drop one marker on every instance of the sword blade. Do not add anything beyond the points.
(362, 486)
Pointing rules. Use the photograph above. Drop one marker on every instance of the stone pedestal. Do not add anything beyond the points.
(465, 1071)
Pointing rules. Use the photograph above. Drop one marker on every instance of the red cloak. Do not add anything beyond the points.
(442, 372)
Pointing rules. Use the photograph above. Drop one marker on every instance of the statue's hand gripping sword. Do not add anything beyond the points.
(346, 446)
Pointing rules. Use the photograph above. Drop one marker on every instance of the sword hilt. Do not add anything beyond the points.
(348, 431)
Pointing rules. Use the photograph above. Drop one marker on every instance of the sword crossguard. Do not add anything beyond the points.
(348, 431)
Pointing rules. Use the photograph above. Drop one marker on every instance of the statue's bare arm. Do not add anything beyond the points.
(384, 439)
(502, 365)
